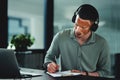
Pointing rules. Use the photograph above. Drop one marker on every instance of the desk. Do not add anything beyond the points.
(48, 77)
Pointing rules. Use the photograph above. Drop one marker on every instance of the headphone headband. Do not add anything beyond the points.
(87, 12)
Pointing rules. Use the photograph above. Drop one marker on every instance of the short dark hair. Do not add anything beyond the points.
(88, 12)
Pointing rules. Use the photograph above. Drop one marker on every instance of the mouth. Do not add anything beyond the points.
(78, 34)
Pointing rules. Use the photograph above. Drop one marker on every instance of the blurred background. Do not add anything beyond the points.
(28, 16)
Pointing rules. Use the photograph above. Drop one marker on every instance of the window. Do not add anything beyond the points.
(16, 26)
(26, 16)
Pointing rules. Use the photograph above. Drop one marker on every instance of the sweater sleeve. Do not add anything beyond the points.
(53, 51)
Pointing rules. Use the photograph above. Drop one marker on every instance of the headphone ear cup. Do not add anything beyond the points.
(94, 27)
(73, 18)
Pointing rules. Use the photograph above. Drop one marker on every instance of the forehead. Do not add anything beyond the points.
(82, 21)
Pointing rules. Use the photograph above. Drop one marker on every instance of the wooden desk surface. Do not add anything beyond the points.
(48, 77)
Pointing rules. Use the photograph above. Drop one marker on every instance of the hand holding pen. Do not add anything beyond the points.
(52, 67)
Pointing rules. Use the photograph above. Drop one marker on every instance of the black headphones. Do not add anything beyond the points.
(88, 12)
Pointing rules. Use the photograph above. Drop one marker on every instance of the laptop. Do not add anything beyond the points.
(9, 67)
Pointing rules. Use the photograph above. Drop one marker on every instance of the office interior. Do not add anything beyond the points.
(44, 18)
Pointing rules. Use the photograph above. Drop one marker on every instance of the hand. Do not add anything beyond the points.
(52, 67)
(95, 74)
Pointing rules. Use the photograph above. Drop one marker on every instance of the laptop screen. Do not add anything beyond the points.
(8, 64)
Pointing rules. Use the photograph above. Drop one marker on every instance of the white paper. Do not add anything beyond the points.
(63, 73)
(30, 73)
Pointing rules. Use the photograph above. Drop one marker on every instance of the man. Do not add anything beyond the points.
(80, 49)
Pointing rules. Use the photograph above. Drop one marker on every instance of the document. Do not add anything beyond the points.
(63, 73)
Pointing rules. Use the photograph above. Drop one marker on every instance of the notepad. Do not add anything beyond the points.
(63, 73)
